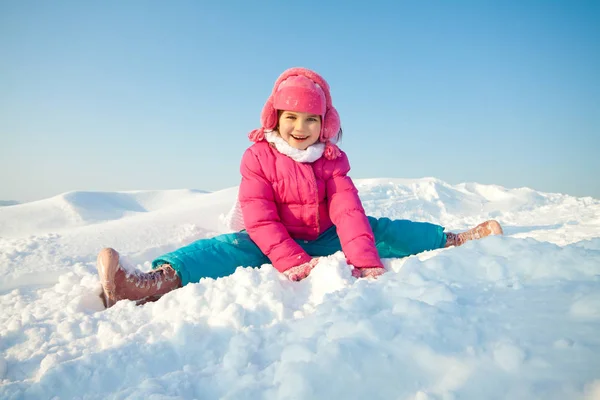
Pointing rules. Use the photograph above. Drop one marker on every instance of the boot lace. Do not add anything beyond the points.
(153, 278)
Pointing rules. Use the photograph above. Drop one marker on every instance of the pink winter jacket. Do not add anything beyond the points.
(283, 200)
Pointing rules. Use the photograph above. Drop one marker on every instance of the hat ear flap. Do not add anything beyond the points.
(331, 127)
(268, 117)
(268, 120)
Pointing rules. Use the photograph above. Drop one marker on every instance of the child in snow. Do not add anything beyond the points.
(297, 202)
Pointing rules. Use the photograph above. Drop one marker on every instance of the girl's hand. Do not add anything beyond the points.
(300, 272)
(367, 272)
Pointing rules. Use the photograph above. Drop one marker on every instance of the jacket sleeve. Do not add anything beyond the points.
(261, 217)
(348, 215)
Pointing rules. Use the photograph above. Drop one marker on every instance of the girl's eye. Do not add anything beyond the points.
(290, 117)
(312, 119)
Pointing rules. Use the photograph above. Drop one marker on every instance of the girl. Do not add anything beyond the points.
(297, 204)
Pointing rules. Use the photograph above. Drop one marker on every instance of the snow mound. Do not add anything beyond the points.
(507, 317)
(458, 207)
(80, 208)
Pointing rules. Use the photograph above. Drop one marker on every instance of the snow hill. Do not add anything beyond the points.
(512, 317)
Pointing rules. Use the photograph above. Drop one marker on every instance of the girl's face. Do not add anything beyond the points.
(300, 130)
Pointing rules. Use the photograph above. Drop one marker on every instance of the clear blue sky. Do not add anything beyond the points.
(127, 95)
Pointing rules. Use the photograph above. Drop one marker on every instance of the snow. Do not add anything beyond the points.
(512, 317)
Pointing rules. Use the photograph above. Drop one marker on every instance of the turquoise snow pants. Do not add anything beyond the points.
(219, 256)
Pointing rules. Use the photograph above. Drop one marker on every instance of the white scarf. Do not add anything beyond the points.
(312, 154)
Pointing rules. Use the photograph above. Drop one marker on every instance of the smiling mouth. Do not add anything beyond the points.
(299, 138)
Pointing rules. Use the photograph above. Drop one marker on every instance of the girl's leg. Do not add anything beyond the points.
(215, 257)
(401, 238)
(325, 245)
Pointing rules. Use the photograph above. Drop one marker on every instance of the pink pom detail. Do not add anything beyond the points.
(257, 135)
(331, 151)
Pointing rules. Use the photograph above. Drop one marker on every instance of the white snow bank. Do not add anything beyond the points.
(513, 317)
(76, 209)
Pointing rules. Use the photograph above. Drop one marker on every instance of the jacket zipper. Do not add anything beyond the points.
(317, 198)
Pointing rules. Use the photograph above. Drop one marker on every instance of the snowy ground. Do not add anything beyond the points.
(513, 317)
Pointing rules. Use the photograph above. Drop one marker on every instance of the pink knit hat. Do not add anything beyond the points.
(301, 90)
